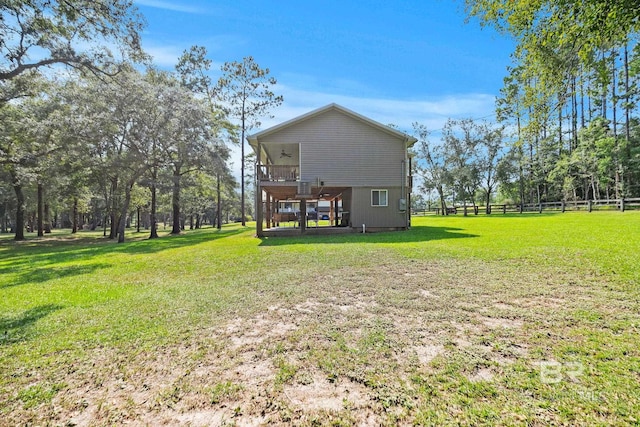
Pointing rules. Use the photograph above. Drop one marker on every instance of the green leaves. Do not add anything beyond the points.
(38, 33)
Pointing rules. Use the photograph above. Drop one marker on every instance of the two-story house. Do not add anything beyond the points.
(333, 155)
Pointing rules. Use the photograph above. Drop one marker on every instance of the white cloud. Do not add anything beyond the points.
(169, 5)
(164, 56)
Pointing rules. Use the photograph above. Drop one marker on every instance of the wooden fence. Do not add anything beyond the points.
(562, 206)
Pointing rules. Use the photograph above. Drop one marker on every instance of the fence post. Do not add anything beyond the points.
(504, 209)
(540, 207)
(589, 205)
(622, 204)
(563, 206)
(475, 210)
(521, 208)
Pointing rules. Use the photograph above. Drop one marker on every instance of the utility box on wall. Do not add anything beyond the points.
(402, 205)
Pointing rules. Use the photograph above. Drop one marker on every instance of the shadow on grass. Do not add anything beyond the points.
(15, 328)
(41, 275)
(35, 261)
(415, 234)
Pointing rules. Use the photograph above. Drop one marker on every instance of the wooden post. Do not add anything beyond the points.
(563, 206)
(540, 207)
(475, 210)
(589, 206)
(303, 215)
(268, 216)
(622, 204)
(259, 207)
(259, 212)
(336, 211)
(504, 209)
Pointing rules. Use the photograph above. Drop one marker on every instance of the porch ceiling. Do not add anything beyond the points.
(289, 192)
(280, 154)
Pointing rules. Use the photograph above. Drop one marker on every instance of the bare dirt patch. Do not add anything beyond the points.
(361, 349)
(318, 393)
(426, 353)
(493, 322)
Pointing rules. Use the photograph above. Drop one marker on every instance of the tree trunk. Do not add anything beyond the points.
(176, 200)
(219, 213)
(3, 217)
(40, 210)
(582, 117)
(138, 219)
(560, 139)
(125, 208)
(20, 202)
(113, 232)
(443, 203)
(74, 213)
(153, 214)
(47, 218)
(242, 211)
(488, 207)
(616, 158)
(627, 104)
(574, 115)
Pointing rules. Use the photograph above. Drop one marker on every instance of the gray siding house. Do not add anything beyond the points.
(333, 155)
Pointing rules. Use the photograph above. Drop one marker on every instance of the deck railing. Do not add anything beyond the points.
(279, 172)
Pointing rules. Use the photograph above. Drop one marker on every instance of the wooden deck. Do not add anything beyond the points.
(310, 231)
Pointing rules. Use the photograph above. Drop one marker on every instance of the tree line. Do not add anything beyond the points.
(96, 137)
(567, 115)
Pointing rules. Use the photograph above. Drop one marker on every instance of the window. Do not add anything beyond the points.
(379, 198)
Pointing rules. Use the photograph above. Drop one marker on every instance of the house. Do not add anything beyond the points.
(333, 156)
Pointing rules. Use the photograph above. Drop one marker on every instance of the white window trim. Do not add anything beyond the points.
(386, 199)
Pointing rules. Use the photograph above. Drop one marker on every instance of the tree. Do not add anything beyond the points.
(246, 90)
(460, 144)
(432, 169)
(14, 160)
(77, 33)
(193, 69)
(116, 113)
(185, 144)
(575, 62)
(28, 139)
(489, 155)
(585, 26)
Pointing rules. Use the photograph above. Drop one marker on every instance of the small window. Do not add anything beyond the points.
(378, 197)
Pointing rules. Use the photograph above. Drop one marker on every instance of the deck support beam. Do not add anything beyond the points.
(259, 209)
(269, 215)
(303, 215)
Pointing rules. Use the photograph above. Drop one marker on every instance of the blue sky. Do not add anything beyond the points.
(394, 61)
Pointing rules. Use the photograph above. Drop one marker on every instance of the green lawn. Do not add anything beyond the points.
(496, 320)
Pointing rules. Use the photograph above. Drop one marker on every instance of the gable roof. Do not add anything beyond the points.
(253, 139)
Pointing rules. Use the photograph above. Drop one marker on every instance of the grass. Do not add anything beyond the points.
(487, 320)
